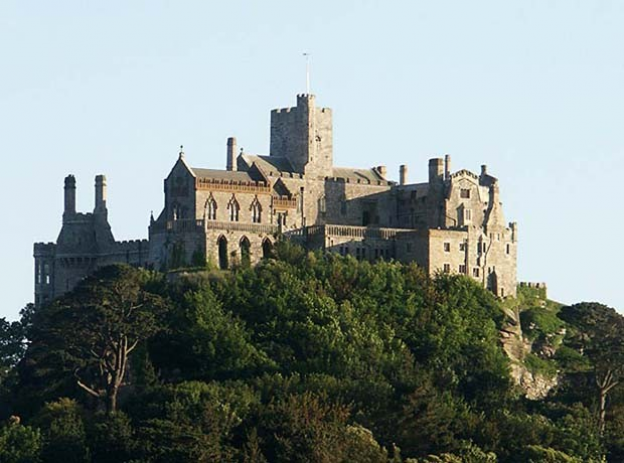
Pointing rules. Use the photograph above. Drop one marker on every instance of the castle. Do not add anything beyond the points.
(452, 223)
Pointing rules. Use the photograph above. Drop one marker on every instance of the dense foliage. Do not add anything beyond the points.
(304, 358)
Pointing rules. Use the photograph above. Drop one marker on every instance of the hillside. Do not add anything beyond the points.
(309, 358)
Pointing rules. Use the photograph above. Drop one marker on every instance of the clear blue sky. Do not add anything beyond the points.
(532, 88)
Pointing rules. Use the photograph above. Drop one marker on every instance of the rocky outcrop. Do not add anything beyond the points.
(534, 385)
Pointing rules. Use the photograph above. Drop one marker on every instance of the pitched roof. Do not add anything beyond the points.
(218, 174)
(365, 175)
(270, 165)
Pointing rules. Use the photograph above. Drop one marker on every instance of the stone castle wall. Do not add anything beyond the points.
(453, 223)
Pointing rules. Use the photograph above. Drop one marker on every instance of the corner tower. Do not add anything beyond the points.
(304, 134)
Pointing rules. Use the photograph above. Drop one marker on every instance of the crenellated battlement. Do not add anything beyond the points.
(464, 173)
(130, 245)
(532, 284)
(42, 249)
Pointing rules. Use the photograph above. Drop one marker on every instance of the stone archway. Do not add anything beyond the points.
(223, 252)
(267, 249)
(245, 251)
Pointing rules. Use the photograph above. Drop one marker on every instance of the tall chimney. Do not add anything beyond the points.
(483, 170)
(100, 194)
(436, 170)
(70, 196)
(447, 166)
(403, 175)
(231, 153)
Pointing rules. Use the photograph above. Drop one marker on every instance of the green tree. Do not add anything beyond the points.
(111, 438)
(64, 434)
(12, 346)
(91, 332)
(18, 443)
(600, 336)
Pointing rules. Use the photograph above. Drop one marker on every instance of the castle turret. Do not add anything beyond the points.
(70, 197)
(100, 195)
(231, 154)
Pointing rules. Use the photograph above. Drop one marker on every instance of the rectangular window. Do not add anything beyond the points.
(447, 268)
(464, 193)
(447, 247)
(467, 215)
(508, 248)
(462, 247)
(475, 272)
(462, 269)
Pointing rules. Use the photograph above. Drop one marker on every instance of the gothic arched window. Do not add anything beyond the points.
(234, 209)
(211, 209)
(256, 211)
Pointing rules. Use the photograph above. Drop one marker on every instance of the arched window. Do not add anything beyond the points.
(267, 248)
(211, 209)
(256, 211)
(245, 248)
(223, 252)
(234, 209)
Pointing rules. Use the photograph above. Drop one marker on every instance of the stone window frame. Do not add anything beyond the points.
(447, 246)
(234, 209)
(446, 268)
(256, 211)
(464, 193)
(462, 269)
(211, 208)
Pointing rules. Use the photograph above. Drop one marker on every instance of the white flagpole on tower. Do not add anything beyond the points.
(307, 57)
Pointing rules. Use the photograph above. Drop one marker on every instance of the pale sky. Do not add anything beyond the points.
(532, 88)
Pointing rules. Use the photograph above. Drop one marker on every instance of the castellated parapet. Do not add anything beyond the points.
(453, 222)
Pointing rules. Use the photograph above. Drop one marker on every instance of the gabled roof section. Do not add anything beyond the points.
(228, 175)
(270, 165)
(181, 165)
(363, 175)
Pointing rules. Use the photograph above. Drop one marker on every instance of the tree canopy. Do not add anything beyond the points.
(303, 358)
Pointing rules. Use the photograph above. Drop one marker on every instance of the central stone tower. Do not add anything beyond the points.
(303, 135)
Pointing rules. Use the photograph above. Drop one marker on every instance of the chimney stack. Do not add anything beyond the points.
(382, 171)
(436, 170)
(403, 175)
(447, 166)
(231, 154)
(483, 170)
(100, 194)
(70, 196)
